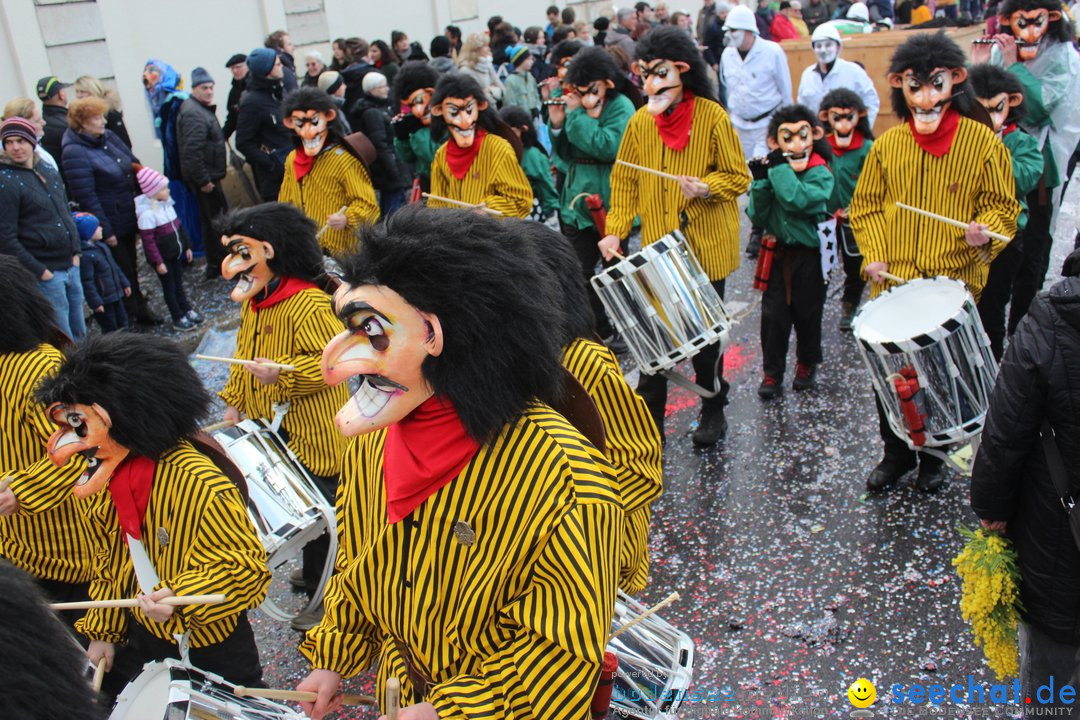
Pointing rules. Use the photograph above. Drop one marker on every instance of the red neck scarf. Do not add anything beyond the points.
(302, 163)
(1010, 128)
(674, 125)
(130, 489)
(938, 142)
(856, 143)
(461, 159)
(287, 287)
(814, 161)
(424, 451)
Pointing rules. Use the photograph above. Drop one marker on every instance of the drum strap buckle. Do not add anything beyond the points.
(280, 409)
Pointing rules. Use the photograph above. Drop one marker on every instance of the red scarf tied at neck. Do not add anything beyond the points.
(302, 163)
(856, 143)
(287, 287)
(461, 159)
(674, 125)
(130, 489)
(424, 451)
(938, 142)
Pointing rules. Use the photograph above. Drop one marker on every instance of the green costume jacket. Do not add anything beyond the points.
(790, 205)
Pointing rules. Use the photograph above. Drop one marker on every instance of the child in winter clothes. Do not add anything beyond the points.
(536, 164)
(521, 89)
(164, 244)
(104, 285)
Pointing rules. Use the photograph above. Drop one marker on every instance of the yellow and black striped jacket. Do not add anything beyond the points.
(49, 537)
(714, 155)
(294, 332)
(495, 179)
(633, 447)
(500, 586)
(336, 180)
(199, 538)
(973, 181)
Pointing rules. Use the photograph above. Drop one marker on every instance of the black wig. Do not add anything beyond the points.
(796, 114)
(596, 64)
(29, 317)
(922, 54)
(500, 318)
(152, 394)
(519, 117)
(846, 99)
(989, 80)
(668, 42)
(287, 229)
(1060, 29)
(412, 77)
(565, 49)
(460, 85)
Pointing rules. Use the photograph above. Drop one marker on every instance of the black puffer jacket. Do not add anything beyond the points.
(35, 222)
(260, 137)
(202, 144)
(371, 116)
(1039, 378)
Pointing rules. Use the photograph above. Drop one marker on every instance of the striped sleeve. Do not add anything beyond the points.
(867, 210)
(345, 641)
(106, 624)
(624, 191)
(315, 327)
(509, 191)
(996, 206)
(731, 178)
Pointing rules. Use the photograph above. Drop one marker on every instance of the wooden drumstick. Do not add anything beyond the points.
(214, 427)
(393, 698)
(247, 363)
(326, 227)
(984, 252)
(99, 675)
(892, 278)
(654, 609)
(299, 695)
(459, 203)
(658, 173)
(174, 600)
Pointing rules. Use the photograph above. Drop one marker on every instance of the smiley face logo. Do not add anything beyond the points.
(862, 693)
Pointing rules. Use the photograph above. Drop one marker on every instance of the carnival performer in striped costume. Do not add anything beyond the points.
(285, 318)
(942, 161)
(480, 163)
(176, 525)
(42, 528)
(325, 173)
(481, 540)
(682, 131)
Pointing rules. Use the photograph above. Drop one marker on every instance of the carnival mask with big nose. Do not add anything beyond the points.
(385, 343)
(247, 259)
(796, 140)
(662, 83)
(419, 103)
(1030, 27)
(461, 115)
(999, 107)
(593, 96)
(84, 430)
(312, 126)
(843, 122)
(928, 97)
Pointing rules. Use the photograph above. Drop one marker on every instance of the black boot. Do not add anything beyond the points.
(711, 426)
(931, 476)
(887, 473)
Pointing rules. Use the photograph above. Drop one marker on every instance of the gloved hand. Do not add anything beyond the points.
(405, 126)
(759, 168)
(776, 158)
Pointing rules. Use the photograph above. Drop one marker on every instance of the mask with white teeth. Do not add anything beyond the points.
(843, 121)
(462, 117)
(312, 127)
(84, 430)
(928, 96)
(385, 343)
(796, 140)
(661, 83)
(247, 260)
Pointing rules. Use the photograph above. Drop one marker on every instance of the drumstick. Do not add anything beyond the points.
(459, 203)
(655, 608)
(173, 600)
(99, 675)
(248, 363)
(299, 695)
(218, 426)
(893, 278)
(326, 227)
(393, 698)
(658, 173)
(984, 252)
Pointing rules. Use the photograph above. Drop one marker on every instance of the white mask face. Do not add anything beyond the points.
(826, 51)
(734, 38)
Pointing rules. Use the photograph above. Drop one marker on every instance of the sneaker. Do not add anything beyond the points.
(754, 244)
(296, 579)
(305, 621)
(711, 427)
(194, 317)
(847, 314)
(183, 324)
(769, 388)
(804, 377)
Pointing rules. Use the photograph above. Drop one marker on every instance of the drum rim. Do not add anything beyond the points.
(946, 327)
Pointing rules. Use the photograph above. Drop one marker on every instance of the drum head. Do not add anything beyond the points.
(916, 308)
(146, 697)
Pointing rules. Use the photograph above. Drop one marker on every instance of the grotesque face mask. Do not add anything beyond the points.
(312, 126)
(461, 115)
(248, 259)
(663, 83)
(928, 97)
(843, 122)
(826, 51)
(564, 65)
(385, 342)
(84, 430)
(593, 96)
(151, 75)
(419, 103)
(999, 107)
(796, 140)
(1030, 27)
(734, 38)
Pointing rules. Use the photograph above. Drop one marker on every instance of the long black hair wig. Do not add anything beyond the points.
(29, 317)
(287, 229)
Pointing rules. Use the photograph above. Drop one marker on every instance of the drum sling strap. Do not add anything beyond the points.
(688, 384)
(1056, 464)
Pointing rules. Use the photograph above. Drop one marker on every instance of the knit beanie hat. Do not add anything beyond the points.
(260, 61)
(150, 181)
(330, 81)
(517, 54)
(199, 76)
(87, 225)
(18, 127)
(373, 80)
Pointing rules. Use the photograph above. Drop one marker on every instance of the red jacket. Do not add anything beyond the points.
(782, 28)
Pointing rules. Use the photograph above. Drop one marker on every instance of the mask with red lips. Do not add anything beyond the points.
(461, 116)
(419, 103)
(662, 83)
(247, 260)
(843, 122)
(84, 430)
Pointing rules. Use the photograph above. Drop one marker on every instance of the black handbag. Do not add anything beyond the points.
(1059, 477)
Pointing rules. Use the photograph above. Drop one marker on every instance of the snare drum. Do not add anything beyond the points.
(929, 359)
(663, 304)
(656, 664)
(286, 506)
(169, 690)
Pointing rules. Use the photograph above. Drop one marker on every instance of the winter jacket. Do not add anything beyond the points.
(232, 107)
(35, 223)
(114, 120)
(288, 72)
(443, 65)
(202, 144)
(56, 125)
(1039, 380)
(353, 77)
(101, 180)
(521, 90)
(486, 76)
(159, 228)
(260, 137)
(414, 145)
(102, 280)
(815, 13)
(371, 116)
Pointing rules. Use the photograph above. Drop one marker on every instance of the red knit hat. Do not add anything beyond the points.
(151, 181)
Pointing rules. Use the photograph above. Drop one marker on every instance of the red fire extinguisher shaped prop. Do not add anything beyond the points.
(912, 403)
(764, 262)
(595, 203)
(416, 193)
(601, 701)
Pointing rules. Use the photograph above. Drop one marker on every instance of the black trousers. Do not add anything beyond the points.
(896, 450)
(795, 298)
(1036, 242)
(708, 369)
(172, 288)
(211, 205)
(56, 591)
(113, 317)
(853, 279)
(995, 296)
(584, 242)
(127, 259)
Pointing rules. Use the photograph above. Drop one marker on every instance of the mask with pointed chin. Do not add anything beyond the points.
(928, 97)
(797, 142)
(461, 116)
(1029, 27)
(662, 83)
(312, 126)
(999, 107)
(419, 103)
(843, 122)
(248, 261)
(385, 343)
(84, 430)
(593, 96)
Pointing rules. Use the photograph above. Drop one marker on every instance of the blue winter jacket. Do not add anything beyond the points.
(101, 180)
(102, 280)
